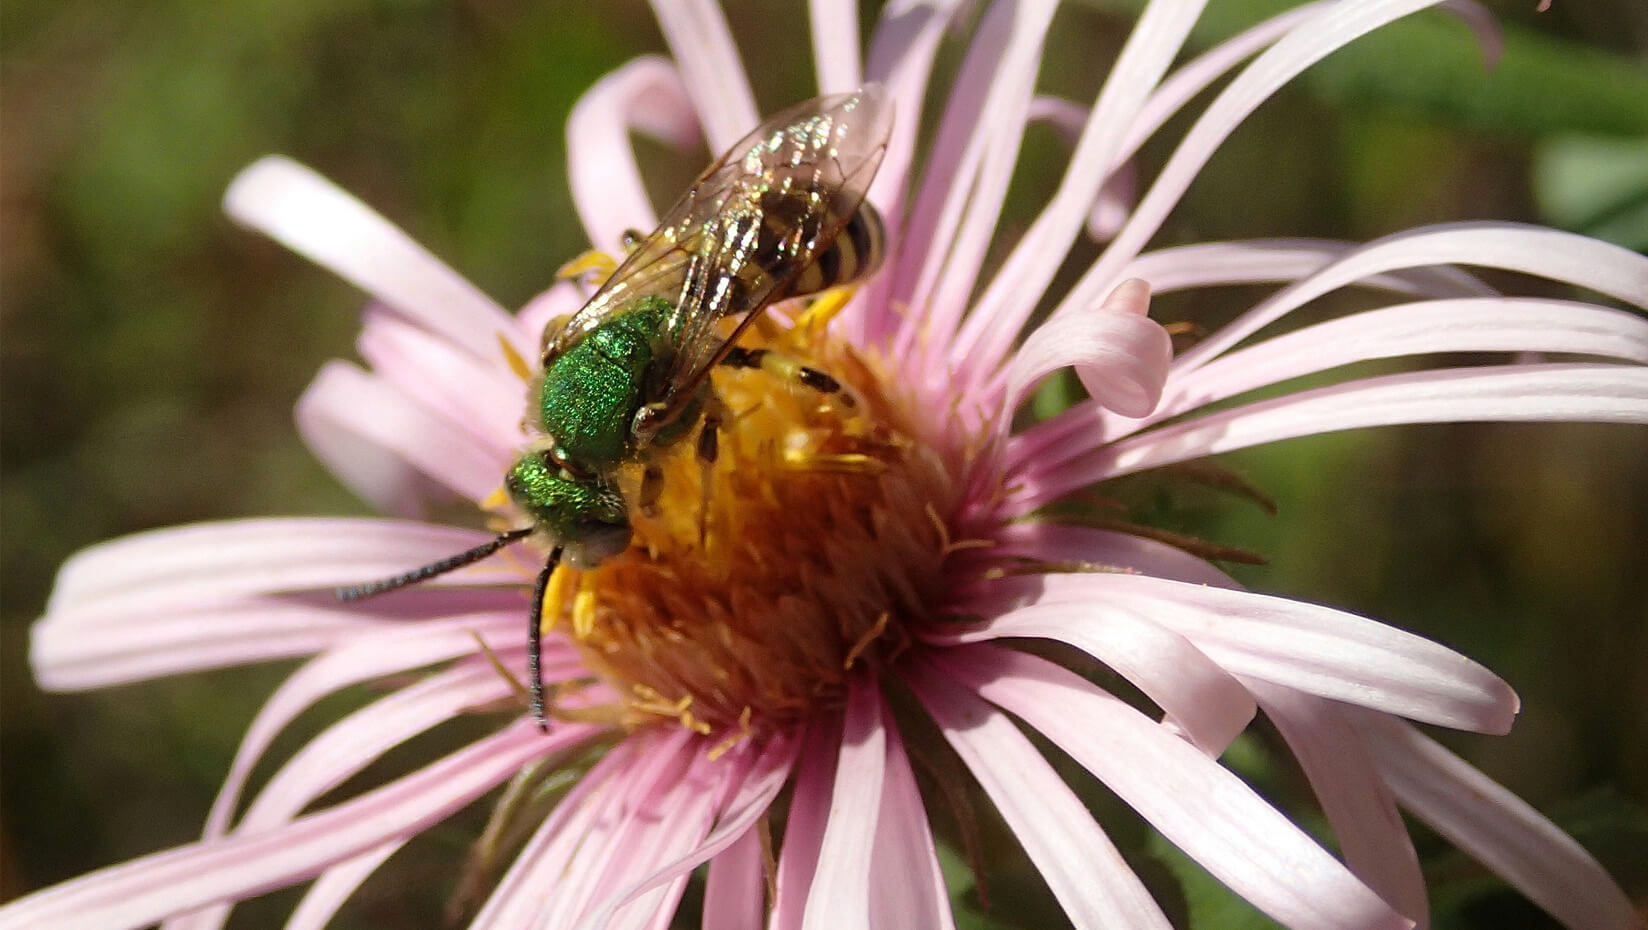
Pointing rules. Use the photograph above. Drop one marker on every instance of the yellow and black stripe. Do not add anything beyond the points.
(790, 257)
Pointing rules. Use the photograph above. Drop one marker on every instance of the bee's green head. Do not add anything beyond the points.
(586, 516)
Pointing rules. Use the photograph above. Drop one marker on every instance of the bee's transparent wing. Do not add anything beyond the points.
(753, 221)
(804, 175)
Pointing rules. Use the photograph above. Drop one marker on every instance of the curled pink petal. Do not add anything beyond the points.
(646, 95)
(1120, 354)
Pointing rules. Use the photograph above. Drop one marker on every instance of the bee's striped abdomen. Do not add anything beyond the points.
(789, 224)
(855, 254)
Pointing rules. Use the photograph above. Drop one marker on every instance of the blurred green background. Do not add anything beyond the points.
(152, 352)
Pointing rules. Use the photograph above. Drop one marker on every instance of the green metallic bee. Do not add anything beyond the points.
(780, 215)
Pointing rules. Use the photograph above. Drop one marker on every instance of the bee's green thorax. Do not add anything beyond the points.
(587, 516)
(591, 391)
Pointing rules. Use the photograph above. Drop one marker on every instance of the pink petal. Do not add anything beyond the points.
(749, 794)
(901, 60)
(346, 747)
(1334, 755)
(365, 659)
(657, 769)
(835, 45)
(187, 565)
(645, 94)
(907, 887)
(1200, 73)
(736, 887)
(1197, 805)
(1001, 311)
(806, 822)
(710, 68)
(211, 595)
(335, 886)
(486, 413)
(69, 656)
(840, 892)
(1196, 695)
(521, 895)
(1259, 261)
(141, 892)
(562, 299)
(1487, 324)
(1087, 874)
(1496, 827)
(661, 824)
(1119, 353)
(1590, 263)
(982, 124)
(1307, 647)
(345, 409)
(1052, 542)
(309, 215)
(1511, 393)
(1333, 27)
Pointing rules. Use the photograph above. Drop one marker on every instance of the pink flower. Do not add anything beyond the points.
(723, 669)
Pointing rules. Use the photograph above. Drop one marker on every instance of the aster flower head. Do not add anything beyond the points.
(861, 569)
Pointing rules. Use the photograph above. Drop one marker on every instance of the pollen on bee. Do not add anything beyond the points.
(594, 266)
(746, 600)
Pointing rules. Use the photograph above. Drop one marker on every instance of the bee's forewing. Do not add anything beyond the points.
(753, 220)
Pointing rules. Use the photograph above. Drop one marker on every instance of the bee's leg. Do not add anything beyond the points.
(652, 486)
(709, 449)
(783, 366)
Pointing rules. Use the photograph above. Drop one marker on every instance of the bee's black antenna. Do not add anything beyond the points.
(355, 592)
(534, 630)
